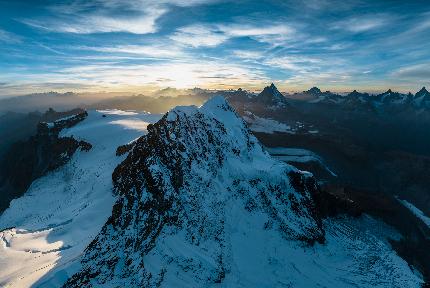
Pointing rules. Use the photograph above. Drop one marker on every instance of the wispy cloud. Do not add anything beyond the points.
(199, 36)
(420, 72)
(272, 33)
(331, 78)
(82, 17)
(248, 55)
(362, 23)
(93, 23)
(138, 50)
(8, 37)
(297, 63)
(202, 35)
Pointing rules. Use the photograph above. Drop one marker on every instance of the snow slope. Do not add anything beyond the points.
(297, 155)
(417, 212)
(201, 204)
(265, 125)
(63, 211)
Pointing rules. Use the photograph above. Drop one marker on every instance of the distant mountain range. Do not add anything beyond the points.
(421, 100)
(163, 100)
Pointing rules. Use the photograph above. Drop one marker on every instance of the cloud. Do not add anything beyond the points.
(204, 35)
(414, 72)
(86, 17)
(9, 38)
(329, 5)
(152, 51)
(264, 33)
(296, 63)
(87, 24)
(323, 78)
(199, 36)
(423, 25)
(362, 23)
(248, 55)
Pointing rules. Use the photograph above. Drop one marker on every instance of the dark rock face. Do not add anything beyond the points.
(422, 93)
(177, 183)
(272, 98)
(331, 202)
(29, 160)
(121, 150)
(422, 98)
(16, 127)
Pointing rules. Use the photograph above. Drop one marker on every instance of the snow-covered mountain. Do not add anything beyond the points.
(196, 202)
(44, 232)
(201, 204)
(184, 187)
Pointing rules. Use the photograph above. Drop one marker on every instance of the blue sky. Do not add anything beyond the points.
(138, 45)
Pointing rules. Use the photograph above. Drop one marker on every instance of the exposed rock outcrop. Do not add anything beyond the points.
(31, 159)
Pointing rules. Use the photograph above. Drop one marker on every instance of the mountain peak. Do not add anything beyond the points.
(423, 91)
(212, 107)
(179, 185)
(271, 96)
(272, 89)
(314, 91)
(422, 98)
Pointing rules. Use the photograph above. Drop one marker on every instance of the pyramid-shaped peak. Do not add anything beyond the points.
(422, 93)
(272, 97)
(272, 88)
(423, 90)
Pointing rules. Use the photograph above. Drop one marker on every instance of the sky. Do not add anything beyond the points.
(140, 45)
